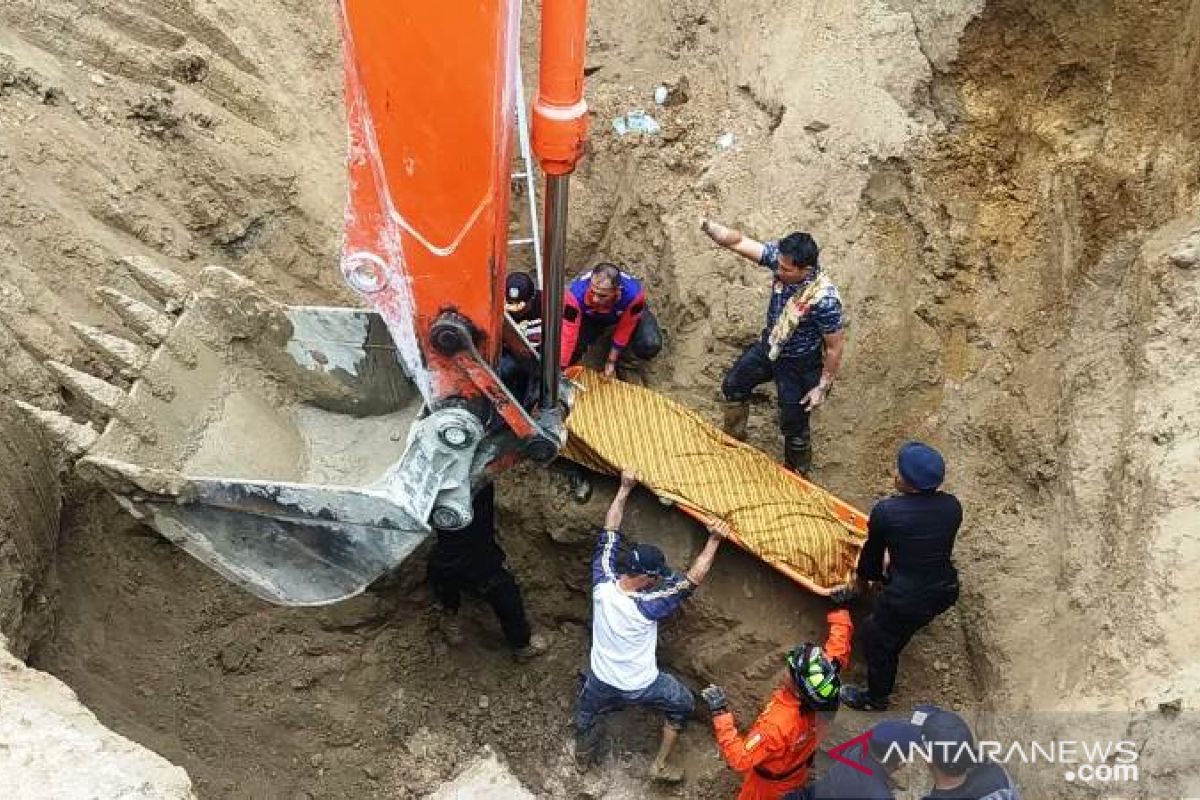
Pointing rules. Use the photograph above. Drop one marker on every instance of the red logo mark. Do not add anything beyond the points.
(861, 741)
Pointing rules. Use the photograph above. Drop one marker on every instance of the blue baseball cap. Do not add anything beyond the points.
(646, 559)
(896, 732)
(942, 727)
(921, 467)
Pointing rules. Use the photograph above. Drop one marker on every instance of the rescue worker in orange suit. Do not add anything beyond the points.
(777, 752)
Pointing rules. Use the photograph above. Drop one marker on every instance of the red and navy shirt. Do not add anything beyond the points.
(624, 312)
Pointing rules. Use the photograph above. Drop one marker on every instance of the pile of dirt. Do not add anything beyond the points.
(1004, 195)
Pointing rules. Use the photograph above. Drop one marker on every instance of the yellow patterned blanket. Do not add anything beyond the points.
(796, 527)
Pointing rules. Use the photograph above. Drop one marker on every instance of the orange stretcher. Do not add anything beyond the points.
(795, 526)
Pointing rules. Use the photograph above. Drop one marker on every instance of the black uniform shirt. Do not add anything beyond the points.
(918, 531)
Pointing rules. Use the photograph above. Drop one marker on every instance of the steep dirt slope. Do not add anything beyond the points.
(1032, 230)
(30, 503)
(189, 131)
(1005, 216)
(1069, 146)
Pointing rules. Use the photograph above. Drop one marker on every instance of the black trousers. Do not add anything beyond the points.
(794, 378)
(497, 587)
(898, 614)
(645, 342)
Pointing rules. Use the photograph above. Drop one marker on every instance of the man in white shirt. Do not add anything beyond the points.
(632, 589)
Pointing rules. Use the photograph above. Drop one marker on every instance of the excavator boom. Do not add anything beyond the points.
(430, 105)
(304, 451)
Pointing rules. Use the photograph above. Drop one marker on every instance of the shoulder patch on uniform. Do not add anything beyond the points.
(754, 741)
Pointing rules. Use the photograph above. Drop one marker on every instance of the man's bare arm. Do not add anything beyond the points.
(835, 343)
(616, 511)
(717, 530)
(733, 240)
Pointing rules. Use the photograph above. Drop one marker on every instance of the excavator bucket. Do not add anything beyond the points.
(304, 451)
(283, 446)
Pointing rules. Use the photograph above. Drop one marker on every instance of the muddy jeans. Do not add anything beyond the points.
(644, 344)
(667, 694)
(794, 378)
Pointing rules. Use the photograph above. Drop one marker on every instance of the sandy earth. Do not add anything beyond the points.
(1006, 197)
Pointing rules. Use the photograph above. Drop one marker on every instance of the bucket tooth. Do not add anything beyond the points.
(164, 285)
(101, 397)
(123, 354)
(76, 439)
(130, 480)
(147, 322)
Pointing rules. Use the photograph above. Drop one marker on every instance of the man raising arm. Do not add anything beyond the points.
(800, 347)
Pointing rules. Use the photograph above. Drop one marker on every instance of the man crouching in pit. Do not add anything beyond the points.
(632, 589)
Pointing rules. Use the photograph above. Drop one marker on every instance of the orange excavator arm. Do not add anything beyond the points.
(429, 95)
(430, 92)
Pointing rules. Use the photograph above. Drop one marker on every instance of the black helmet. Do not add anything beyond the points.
(816, 677)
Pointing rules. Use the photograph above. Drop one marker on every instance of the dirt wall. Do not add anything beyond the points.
(30, 503)
(1001, 192)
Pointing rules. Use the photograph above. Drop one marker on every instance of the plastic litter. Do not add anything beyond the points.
(636, 122)
(661, 93)
(725, 141)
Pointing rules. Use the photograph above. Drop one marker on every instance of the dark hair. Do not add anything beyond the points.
(611, 272)
(801, 248)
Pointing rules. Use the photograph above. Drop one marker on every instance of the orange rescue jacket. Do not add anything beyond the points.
(778, 749)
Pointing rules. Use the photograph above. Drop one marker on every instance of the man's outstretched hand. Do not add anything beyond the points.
(719, 233)
(815, 397)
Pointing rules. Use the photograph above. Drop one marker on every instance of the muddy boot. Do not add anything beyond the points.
(536, 647)
(737, 415)
(797, 454)
(589, 747)
(858, 697)
(451, 629)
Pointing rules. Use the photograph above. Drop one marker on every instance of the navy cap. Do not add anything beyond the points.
(948, 732)
(646, 559)
(896, 732)
(518, 287)
(921, 466)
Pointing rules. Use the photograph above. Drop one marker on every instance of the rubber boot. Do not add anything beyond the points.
(797, 454)
(451, 629)
(536, 647)
(737, 415)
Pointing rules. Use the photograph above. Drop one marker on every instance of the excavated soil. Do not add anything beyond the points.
(1005, 192)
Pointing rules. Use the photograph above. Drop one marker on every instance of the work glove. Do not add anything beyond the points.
(715, 697)
(843, 596)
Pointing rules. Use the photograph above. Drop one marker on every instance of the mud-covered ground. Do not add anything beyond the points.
(1005, 193)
